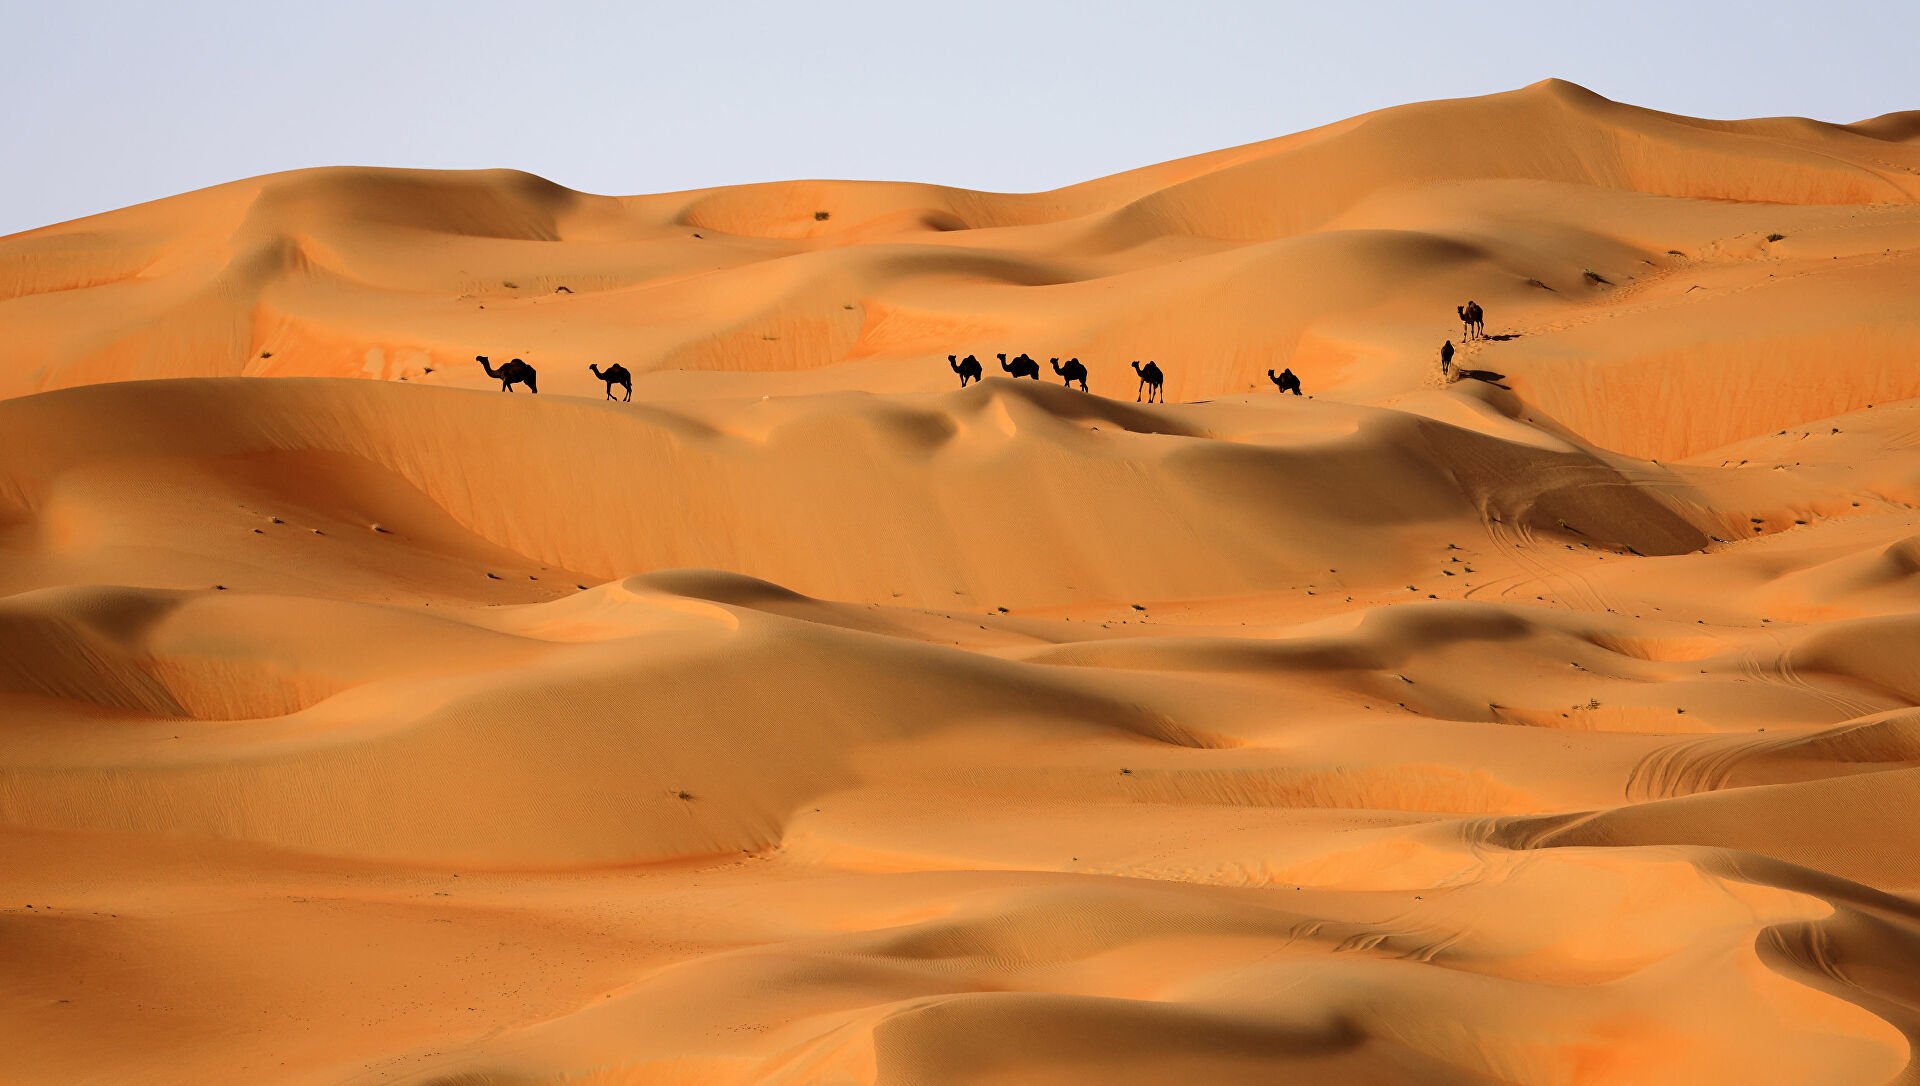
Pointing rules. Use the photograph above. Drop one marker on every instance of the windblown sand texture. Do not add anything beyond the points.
(810, 719)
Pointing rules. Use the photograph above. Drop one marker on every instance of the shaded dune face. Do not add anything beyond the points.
(812, 719)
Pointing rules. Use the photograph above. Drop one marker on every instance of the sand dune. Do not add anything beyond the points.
(811, 719)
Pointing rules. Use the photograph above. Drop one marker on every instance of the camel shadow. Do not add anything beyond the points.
(1505, 336)
(1488, 376)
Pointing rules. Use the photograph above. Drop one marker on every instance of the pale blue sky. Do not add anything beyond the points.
(112, 104)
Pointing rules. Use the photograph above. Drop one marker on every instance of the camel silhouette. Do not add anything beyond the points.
(510, 374)
(1473, 320)
(968, 368)
(1150, 380)
(1286, 382)
(1446, 357)
(1071, 372)
(615, 374)
(1021, 367)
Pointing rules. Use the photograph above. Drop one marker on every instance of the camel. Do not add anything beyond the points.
(1446, 357)
(1286, 382)
(1473, 320)
(1071, 372)
(968, 368)
(615, 374)
(510, 374)
(1150, 380)
(1021, 367)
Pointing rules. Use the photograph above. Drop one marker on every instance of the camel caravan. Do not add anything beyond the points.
(1473, 327)
(1473, 323)
(1071, 373)
(516, 372)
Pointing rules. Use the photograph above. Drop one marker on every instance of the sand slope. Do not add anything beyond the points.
(810, 719)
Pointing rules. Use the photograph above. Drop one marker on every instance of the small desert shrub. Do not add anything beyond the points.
(1776, 237)
(1596, 277)
(822, 216)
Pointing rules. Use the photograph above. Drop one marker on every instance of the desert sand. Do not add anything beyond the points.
(813, 719)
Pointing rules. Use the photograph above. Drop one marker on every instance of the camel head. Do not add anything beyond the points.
(1055, 363)
(1002, 356)
(595, 367)
(1136, 365)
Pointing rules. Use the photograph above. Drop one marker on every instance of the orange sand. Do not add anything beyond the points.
(809, 719)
